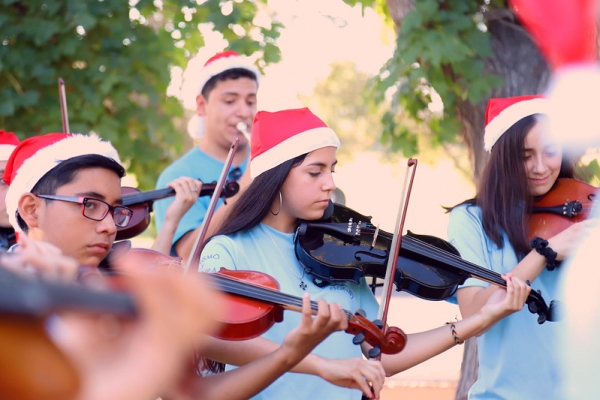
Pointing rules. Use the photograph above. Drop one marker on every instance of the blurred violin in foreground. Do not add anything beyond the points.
(33, 367)
(348, 247)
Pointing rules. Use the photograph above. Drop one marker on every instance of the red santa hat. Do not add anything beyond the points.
(218, 63)
(566, 32)
(36, 156)
(280, 136)
(502, 113)
(8, 142)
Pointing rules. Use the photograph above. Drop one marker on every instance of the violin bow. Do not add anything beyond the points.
(194, 258)
(393, 259)
(397, 240)
(63, 105)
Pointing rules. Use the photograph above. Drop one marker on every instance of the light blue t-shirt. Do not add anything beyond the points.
(518, 358)
(263, 249)
(194, 164)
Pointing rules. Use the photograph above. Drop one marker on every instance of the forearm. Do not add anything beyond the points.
(425, 345)
(256, 376)
(164, 239)
(246, 351)
(472, 299)
(238, 352)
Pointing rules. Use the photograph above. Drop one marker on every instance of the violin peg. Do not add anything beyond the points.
(374, 352)
(361, 312)
(358, 338)
(378, 323)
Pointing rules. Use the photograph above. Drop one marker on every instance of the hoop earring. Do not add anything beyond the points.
(280, 204)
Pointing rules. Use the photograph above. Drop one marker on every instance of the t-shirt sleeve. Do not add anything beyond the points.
(465, 232)
(218, 253)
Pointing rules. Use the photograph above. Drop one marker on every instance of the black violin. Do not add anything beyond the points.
(347, 247)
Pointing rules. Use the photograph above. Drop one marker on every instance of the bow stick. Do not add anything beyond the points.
(194, 258)
(397, 240)
(63, 105)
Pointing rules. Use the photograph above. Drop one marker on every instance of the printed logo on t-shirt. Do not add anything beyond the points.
(209, 257)
(342, 287)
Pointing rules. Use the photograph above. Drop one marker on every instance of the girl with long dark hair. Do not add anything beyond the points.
(516, 356)
(293, 158)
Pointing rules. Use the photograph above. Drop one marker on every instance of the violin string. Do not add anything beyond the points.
(485, 273)
(455, 260)
(443, 256)
(242, 288)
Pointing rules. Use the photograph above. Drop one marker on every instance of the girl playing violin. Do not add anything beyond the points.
(293, 158)
(516, 355)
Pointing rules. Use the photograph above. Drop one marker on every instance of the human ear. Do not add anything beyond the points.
(201, 105)
(28, 209)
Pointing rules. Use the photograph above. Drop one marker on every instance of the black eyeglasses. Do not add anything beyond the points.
(95, 209)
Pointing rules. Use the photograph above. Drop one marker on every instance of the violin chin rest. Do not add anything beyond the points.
(328, 213)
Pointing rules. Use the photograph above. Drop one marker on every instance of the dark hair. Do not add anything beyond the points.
(65, 172)
(503, 193)
(254, 203)
(234, 73)
(247, 212)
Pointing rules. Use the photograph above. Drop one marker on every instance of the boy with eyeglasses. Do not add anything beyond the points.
(66, 190)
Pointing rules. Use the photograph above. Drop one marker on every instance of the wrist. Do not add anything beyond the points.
(309, 365)
(542, 247)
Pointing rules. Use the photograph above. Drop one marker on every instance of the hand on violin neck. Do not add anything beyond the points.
(504, 302)
(313, 330)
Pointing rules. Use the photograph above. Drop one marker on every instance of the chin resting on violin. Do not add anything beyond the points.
(258, 234)
(509, 228)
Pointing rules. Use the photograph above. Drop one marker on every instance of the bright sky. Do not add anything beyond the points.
(316, 33)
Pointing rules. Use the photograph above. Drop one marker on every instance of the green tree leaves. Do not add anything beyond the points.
(115, 58)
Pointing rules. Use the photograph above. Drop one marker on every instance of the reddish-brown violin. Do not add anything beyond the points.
(253, 302)
(141, 204)
(569, 201)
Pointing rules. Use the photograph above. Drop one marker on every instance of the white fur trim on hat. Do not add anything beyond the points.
(224, 64)
(292, 147)
(5, 151)
(510, 115)
(36, 166)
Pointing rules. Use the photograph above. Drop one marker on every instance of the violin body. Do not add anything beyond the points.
(254, 304)
(428, 267)
(245, 318)
(569, 201)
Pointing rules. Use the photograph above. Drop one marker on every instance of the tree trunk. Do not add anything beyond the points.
(516, 59)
